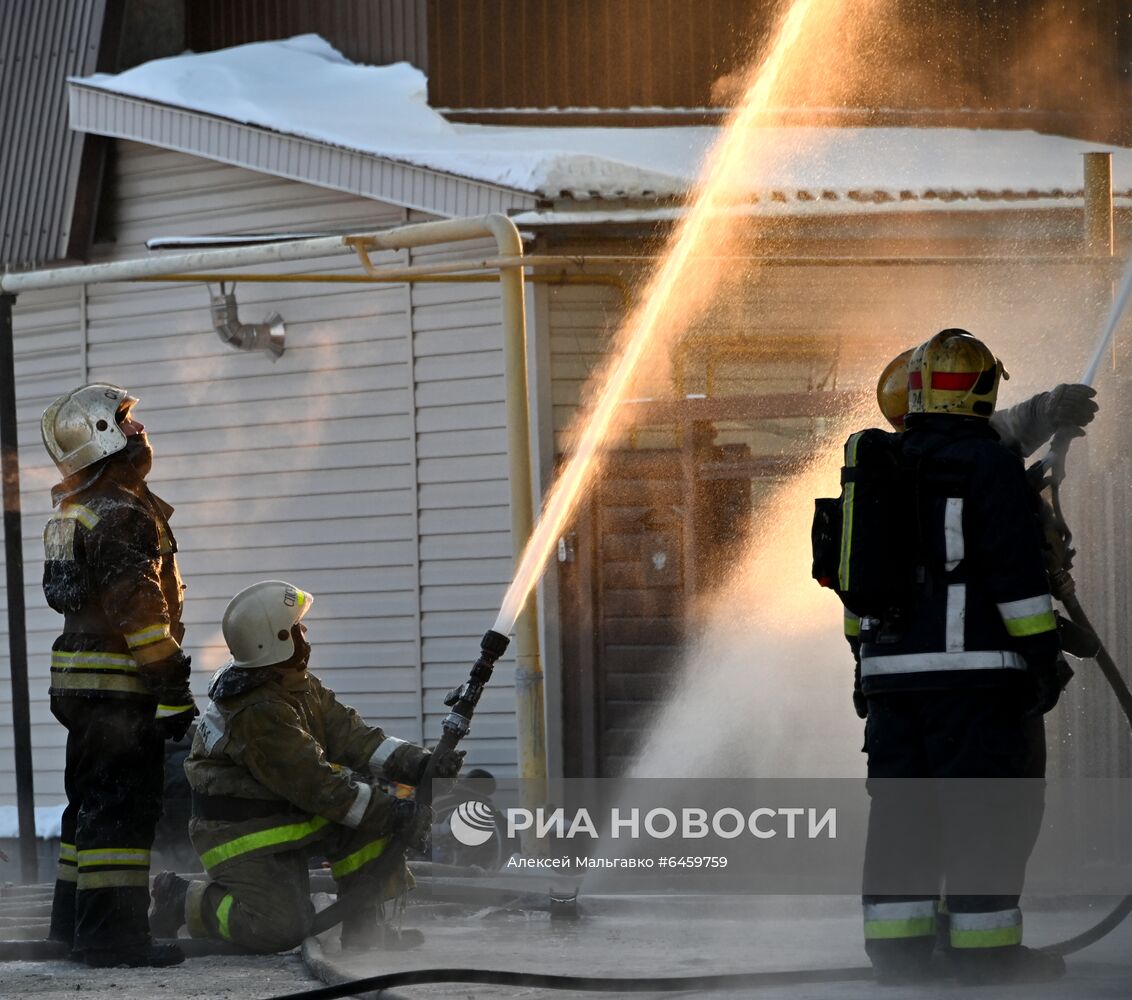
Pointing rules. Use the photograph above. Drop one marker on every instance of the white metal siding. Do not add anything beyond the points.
(465, 525)
(315, 467)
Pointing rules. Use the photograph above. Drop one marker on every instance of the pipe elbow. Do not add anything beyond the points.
(269, 336)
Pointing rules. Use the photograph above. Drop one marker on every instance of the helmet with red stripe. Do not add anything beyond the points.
(954, 373)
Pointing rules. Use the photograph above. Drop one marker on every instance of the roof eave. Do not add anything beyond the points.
(118, 116)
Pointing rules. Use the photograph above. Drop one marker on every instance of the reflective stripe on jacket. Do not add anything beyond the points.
(985, 609)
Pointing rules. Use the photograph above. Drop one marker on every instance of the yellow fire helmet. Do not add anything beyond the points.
(954, 373)
(892, 389)
(82, 426)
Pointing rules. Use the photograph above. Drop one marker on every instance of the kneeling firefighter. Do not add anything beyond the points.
(941, 561)
(281, 771)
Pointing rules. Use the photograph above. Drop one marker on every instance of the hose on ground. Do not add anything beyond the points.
(590, 984)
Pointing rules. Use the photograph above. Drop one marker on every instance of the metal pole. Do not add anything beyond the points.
(14, 566)
(1098, 204)
(530, 711)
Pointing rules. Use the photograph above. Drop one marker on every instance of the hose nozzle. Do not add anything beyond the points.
(493, 645)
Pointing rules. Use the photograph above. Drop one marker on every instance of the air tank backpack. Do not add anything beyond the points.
(866, 542)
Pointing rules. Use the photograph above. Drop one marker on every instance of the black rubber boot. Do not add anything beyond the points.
(168, 913)
(360, 929)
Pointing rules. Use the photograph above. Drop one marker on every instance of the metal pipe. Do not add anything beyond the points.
(172, 267)
(529, 687)
(131, 270)
(1098, 204)
(529, 699)
(14, 567)
(269, 336)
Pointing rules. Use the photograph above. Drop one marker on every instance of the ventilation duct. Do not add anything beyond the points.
(266, 336)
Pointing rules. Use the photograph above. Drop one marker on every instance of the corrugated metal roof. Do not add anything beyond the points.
(290, 156)
(366, 31)
(42, 42)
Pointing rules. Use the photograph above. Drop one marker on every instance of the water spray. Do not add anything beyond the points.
(1119, 304)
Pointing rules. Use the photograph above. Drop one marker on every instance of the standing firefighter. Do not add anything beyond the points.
(941, 559)
(281, 772)
(119, 678)
(1064, 410)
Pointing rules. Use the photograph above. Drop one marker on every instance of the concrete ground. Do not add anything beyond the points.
(616, 936)
(650, 936)
(215, 977)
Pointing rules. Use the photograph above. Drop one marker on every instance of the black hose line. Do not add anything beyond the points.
(1124, 696)
(593, 984)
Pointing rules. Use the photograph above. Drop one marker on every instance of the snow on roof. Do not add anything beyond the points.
(304, 87)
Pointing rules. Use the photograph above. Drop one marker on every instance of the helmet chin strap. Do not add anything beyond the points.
(139, 454)
(299, 659)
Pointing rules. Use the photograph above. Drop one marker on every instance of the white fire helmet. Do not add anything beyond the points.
(81, 427)
(257, 622)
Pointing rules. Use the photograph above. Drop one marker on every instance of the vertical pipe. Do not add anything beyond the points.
(14, 566)
(1098, 204)
(529, 695)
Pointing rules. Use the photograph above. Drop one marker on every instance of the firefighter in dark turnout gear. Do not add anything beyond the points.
(1065, 409)
(952, 685)
(281, 771)
(119, 678)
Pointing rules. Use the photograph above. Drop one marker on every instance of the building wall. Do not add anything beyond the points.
(368, 464)
(367, 31)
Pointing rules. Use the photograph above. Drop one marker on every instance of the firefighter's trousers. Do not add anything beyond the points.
(937, 832)
(260, 899)
(114, 779)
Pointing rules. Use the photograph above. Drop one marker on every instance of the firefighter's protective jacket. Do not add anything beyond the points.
(111, 571)
(984, 615)
(280, 761)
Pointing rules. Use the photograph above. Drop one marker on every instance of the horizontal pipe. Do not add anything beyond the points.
(171, 267)
(401, 238)
(395, 276)
(131, 270)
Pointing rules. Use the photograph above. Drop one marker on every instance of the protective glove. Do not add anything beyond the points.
(168, 679)
(174, 725)
(413, 824)
(1075, 640)
(448, 763)
(1070, 407)
(1050, 678)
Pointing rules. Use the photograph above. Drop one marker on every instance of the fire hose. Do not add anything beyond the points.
(1046, 474)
